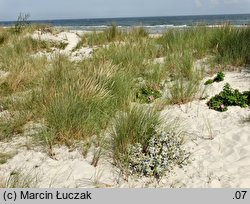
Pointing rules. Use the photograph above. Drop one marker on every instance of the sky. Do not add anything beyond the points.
(75, 9)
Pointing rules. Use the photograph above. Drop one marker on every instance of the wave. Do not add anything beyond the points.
(102, 27)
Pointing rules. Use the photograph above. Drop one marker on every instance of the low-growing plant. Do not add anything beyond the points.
(147, 94)
(229, 97)
(209, 81)
(218, 78)
(141, 147)
(163, 152)
(136, 125)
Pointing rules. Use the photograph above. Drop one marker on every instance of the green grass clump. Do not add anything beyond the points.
(110, 34)
(10, 127)
(140, 147)
(4, 36)
(137, 125)
(229, 97)
(24, 69)
(185, 78)
(195, 40)
(227, 44)
(19, 179)
(77, 104)
(4, 157)
(231, 45)
(130, 56)
(138, 32)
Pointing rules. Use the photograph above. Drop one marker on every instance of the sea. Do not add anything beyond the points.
(151, 24)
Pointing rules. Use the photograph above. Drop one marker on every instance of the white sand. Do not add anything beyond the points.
(71, 38)
(219, 143)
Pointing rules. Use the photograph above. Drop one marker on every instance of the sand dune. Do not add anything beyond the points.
(219, 144)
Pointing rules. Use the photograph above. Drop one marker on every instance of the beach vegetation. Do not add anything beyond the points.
(141, 146)
(4, 157)
(163, 152)
(21, 23)
(19, 179)
(229, 97)
(185, 78)
(231, 45)
(79, 100)
(111, 34)
(136, 125)
(148, 93)
(218, 78)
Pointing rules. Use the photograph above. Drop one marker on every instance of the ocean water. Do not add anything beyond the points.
(151, 24)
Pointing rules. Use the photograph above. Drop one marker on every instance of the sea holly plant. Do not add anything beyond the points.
(219, 77)
(163, 152)
(229, 97)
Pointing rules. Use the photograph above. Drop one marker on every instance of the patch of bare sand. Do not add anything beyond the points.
(219, 142)
(71, 38)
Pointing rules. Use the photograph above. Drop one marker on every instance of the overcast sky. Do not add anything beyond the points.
(71, 9)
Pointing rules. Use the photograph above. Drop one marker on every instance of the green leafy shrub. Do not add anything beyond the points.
(147, 94)
(247, 94)
(219, 77)
(209, 81)
(229, 97)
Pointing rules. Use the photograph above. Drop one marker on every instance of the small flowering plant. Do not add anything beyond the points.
(229, 97)
(222, 106)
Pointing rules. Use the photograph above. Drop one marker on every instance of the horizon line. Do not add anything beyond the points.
(185, 15)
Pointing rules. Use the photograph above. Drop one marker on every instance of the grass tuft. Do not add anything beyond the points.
(137, 125)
